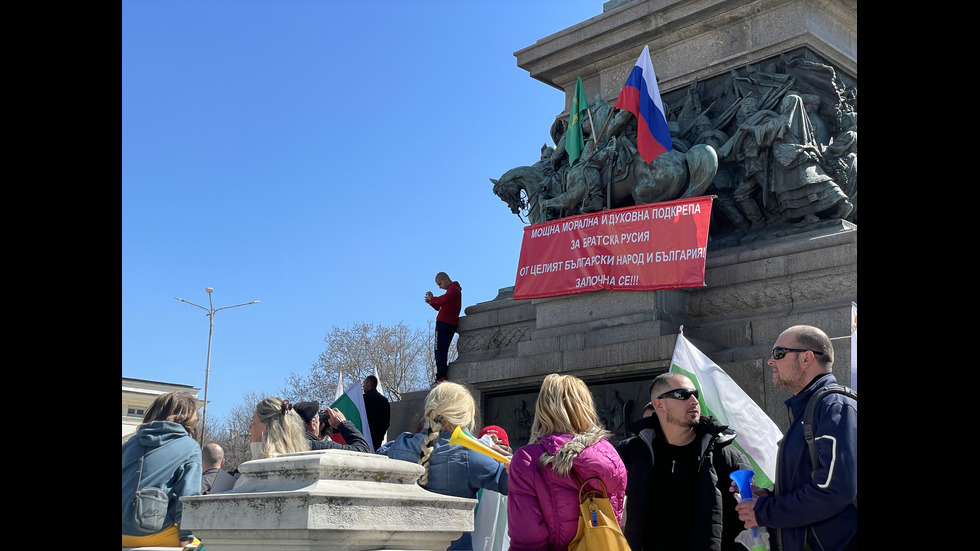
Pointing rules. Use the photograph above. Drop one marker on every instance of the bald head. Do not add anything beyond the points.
(799, 355)
(212, 456)
(814, 339)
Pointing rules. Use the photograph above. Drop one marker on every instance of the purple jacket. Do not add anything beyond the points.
(543, 506)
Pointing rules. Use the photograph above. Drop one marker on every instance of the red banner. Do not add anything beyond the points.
(642, 248)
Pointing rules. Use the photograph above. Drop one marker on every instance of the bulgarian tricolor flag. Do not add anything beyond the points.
(757, 436)
(351, 404)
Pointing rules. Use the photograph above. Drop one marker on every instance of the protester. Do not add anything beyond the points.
(498, 439)
(309, 412)
(162, 454)
(679, 464)
(448, 305)
(214, 480)
(567, 445)
(815, 505)
(449, 470)
(326, 431)
(276, 429)
(354, 440)
(378, 410)
(490, 523)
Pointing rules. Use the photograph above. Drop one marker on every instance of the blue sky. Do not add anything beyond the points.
(324, 158)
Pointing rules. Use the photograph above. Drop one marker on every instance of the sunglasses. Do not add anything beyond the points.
(680, 394)
(778, 352)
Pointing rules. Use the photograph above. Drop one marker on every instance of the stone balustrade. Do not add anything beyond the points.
(328, 500)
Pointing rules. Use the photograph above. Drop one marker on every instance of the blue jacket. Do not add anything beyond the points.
(453, 470)
(814, 504)
(172, 463)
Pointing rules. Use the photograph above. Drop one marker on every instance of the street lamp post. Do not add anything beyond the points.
(207, 369)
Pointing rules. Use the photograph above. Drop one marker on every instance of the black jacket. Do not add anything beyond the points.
(717, 522)
(355, 440)
(378, 414)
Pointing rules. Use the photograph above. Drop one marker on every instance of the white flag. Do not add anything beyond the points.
(854, 345)
(721, 397)
(340, 386)
(384, 439)
(379, 389)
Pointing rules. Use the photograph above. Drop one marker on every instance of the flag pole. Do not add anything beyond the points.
(595, 140)
(609, 116)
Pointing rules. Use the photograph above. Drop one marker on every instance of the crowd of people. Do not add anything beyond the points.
(669, 485)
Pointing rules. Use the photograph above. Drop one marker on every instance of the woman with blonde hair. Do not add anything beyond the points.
(162, 454)
(567, 445)
(449, 469)
(276, 429)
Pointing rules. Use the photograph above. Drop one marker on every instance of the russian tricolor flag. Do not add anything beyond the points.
(641, 96)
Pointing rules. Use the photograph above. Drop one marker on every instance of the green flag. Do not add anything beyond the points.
(574, 143)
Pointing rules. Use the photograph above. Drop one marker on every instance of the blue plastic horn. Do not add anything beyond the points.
(743, 479)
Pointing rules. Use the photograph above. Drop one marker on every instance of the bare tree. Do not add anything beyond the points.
(234, 435)
(404, 358)
(401, 354)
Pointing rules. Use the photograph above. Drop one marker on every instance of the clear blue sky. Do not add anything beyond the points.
(324, 158)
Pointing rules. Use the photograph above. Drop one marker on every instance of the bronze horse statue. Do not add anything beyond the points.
(672, 175)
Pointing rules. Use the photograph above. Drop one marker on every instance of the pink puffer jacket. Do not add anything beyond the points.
(542, 506)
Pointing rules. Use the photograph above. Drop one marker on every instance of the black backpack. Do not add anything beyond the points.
(808, 416)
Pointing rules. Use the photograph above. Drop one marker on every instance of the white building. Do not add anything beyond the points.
(138, 394)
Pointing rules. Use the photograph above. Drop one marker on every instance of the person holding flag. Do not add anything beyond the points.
(310, 413)
(350, 408)
(278, 427)
(679, 464)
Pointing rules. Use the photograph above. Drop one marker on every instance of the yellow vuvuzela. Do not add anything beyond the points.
(467, 440)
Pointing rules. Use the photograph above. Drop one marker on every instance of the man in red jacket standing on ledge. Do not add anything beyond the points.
(448, 306)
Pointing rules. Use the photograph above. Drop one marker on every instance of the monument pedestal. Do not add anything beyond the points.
(708, 56)
(328, 500)
(617, 341)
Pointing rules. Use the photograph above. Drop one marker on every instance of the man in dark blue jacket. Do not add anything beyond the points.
(813, 506)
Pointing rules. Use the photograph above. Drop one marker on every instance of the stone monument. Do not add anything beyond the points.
(783, 243)
(328, 500)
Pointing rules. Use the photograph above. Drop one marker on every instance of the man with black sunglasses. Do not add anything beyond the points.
(679, 463)
(814, 506)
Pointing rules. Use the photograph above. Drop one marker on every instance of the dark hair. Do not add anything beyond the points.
(175, 407)
(373, 379)
(662, 383)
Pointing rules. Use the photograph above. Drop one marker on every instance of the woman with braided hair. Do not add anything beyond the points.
(567, 445)
(276, 429)
(449, 469)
